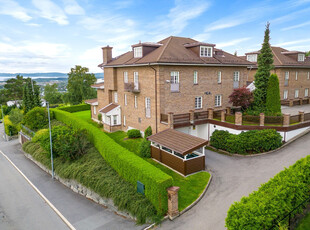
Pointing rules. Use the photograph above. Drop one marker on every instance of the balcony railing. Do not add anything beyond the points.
(133, 87)
(174, 87)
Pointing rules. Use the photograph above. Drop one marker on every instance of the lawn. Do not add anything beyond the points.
(191, 187)
(304, 223)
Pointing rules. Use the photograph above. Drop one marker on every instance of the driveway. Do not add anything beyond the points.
(295, 109)
(233, 178)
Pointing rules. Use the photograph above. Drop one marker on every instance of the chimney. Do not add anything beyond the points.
(107, 54)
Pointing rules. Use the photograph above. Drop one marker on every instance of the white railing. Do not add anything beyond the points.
(174, 87)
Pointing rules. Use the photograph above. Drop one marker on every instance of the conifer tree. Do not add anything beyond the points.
(273, 103)
(31, 95)
(265, 64)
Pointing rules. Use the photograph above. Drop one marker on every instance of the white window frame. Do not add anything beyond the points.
(174, 77)
(219, 77)
(198, 102)
(148, 107)
(115, 118)
(206, 51)
(286, 78)
(115, 97)
(301, 57)
(218, 100)
(296, 76)
(95, 110)
(236, 75)
(125, 99)
(124, 121)
(296, 93)
(285, 94)
(308, 77)
(136, 102)
(137, 52)
(306, 92)
(125, 77)
(195, 77)
(251, 57)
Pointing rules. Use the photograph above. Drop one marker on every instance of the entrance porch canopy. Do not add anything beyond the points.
(177, 141)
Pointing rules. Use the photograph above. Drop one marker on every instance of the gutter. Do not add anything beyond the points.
(156, 122)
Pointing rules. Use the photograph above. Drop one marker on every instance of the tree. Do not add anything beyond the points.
(308, 54)
(241, 97)
(79, 85)
(31, 95)
(52, 95)
(16, 116)
(273, 103)
(13, 88)
(265, 64)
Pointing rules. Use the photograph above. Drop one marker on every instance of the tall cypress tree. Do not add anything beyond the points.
(31, 95)
(273, 103)
(265, 64)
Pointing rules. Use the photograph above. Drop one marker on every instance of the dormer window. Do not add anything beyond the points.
(301, 57)
(205, 51)
(137, 52)
(251, 57)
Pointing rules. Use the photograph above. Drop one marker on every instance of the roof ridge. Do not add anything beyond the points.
(161, 53)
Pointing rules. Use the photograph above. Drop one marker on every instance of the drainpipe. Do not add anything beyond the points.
(156, 123)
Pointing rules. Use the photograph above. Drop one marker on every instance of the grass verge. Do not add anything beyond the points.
(191, 187)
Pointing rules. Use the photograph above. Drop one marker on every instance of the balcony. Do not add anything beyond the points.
(174, 87)
(132, 87)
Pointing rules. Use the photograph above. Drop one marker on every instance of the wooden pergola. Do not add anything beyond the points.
(180, 151)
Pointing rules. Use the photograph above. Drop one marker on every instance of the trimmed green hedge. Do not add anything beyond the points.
(131, 167)
(133, 133)
(273, 199)
(254, 141)
(75, 108)
(9, 128)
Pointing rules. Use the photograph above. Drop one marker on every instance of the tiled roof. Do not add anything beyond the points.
(91, 101)
(180, 142)
(174, 50)
(108, 108)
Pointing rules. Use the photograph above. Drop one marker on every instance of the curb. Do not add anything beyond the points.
(261, 154)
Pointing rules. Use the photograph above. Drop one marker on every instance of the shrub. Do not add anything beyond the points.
(148, 132)
(241, 97)
(133, 133)
(254, 141)
(273, 199)
(273, 102)
(75, 108)
(9, 128)
(37, 118)
(41, 136)
(128, 165)
(145, 148)
(100, 117)
(16, 116)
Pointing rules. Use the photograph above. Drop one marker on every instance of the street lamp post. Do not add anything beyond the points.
(51, 143)
(3, 123)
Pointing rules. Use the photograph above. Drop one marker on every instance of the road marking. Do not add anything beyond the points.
(43, 197)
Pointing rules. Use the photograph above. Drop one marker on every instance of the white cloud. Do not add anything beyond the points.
(73, 8)
(91, 58)
(291, 16)
(123, 4)
(203, 37)
(51, 11)
(232, 43)
(296, 26)
(33, 24)
(293, 42)
(12, 8)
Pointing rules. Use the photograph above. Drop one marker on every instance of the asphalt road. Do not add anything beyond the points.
(79, 211)
(233, 178)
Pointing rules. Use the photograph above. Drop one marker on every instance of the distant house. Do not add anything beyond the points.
(18, 103)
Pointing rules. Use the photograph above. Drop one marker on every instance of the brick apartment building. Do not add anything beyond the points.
(292, 69)
(175, 75)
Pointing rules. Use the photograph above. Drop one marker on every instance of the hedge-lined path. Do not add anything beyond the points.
(79, 211)
(234, 177)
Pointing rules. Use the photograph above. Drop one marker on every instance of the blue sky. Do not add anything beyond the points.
(46, 35)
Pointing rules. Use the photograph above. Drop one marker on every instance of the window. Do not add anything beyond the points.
(286, 78)
(124, 121)
(308, 77)
(285, 94)
(252, 57)
(301, 57)
(148, 107)
(114, 119)
(95, 110)
(296, 76)
(136, 102)
(306, 92)
(296, 93)
(195, 77)
(198, 102)
(205, 51)
(115, 97)
(174, 77)
(125, 77)
(218, 100)
(236, 79)
(219, 77)
(136, 80)
(137, 52)
(125, 99)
